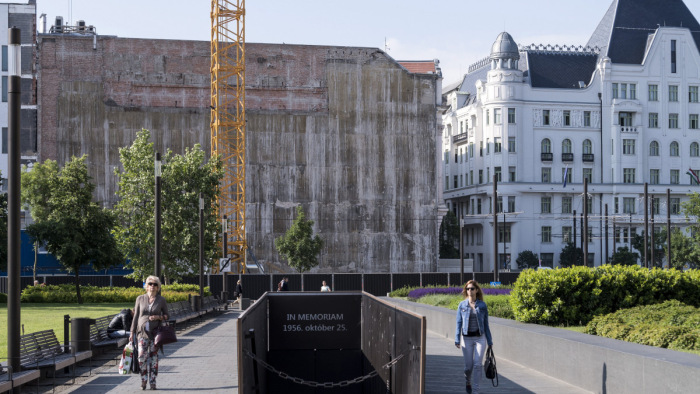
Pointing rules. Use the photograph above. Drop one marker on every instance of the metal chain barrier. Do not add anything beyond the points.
(328, 385)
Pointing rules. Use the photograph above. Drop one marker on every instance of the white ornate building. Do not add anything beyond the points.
(621, 111)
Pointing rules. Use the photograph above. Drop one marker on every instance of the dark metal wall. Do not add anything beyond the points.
(254, 319)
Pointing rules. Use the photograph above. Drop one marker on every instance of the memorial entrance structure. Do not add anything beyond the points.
(339, 342)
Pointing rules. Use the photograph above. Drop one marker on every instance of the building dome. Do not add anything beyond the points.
(504, 48)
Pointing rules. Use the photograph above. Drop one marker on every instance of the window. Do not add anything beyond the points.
(456, 157)
(628, 175)
(655, 206)
(545, 117)
(546, 175)
(673, 56)
(481, 148)
(693, 121)
(587, 147)
(653, 120)
(4, 141)
(511, 203)
(653, 92)
(625, 119)
(471, 150)
(672, 121)
(675, 177)
(623, 90)
(455, 182)
(673, 93)
(654, 148)
(4, 58)
(586, 118)
(511, 174)
(497, 116)
(481, 176)
(566, 146)
(447, 182)
(488, 115)
(589, 203)
(546, 146)
(692, 173)
(497, 173)
(547, 259)
(546, 234)
(488, 147)
(628, 147)
(511, 115)
(675, 206)
(478, 206)
(566, 175)
(499, 204)
(629, 205)
(654, 176)
(546, 204)
(566, 204)
(567, 118)
(511, 144)
(4, 88)
(566, 235)
(674, 151)
(694, 149)
(471, 177)
(633, 91)
(588, 174)
(617, 204)
(461, 180)
(504, 234)
(615, 90)
(692, 94)
(497, 145)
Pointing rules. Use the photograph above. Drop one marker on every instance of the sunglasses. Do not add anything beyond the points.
(471, 288)
(152, 284)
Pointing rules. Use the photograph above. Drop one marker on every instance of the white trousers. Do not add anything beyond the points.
(473, 350)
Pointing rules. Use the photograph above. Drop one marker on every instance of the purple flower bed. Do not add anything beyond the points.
(418, 293)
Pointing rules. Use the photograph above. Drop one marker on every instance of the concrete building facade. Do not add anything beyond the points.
(346, 132)
(620, 112)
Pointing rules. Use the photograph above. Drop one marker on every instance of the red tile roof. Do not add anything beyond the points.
(418, 66)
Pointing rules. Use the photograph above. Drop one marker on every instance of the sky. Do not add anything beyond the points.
(456, 32)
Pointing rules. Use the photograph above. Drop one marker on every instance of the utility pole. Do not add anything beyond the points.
(158, 213)
(646, 224)
(652, 232)
(461, 252)
(668, 230)
(201, 249)
(607, 250)
(575, 238)
(224, 230)
(585, 222)
(495, 229)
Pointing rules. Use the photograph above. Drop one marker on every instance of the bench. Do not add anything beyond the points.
(99, 334)
(10, 380)
(41, 350)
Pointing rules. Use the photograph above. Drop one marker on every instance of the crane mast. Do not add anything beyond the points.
(227, 121)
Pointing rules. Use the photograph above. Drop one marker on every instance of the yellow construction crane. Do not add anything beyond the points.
(228, 118)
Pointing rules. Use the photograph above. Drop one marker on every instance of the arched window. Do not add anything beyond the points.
(546, 146)
(654, 148)
(694, 149)
(566, 146)
(587, 147)
(674, 148)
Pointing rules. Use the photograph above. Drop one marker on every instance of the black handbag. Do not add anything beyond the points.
(135, 358)
(490, 367)
(165, 334)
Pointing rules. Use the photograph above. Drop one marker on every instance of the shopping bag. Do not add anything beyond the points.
(125, 362)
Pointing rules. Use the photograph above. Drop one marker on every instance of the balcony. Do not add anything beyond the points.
(588, 157)
(567, 157)
(630, 129)
(460, 138)
(547, 156)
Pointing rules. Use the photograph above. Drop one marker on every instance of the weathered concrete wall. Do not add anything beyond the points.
(346, 132)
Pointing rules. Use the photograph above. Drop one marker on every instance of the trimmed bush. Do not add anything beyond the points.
(402, 292)
(671, 324)
(424, 291)
(573, 296)
(65, 293)
(3, 298)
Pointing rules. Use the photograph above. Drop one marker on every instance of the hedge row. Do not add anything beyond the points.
(573, 296)
(65, 293)
(672, 325)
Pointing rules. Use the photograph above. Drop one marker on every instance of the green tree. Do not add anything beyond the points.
(527, 259)
(183, 177)
(76, 230)
(658, 245)
(624, 256)
(449, 236)
(298, 245)
(684, 250)
(570, 256)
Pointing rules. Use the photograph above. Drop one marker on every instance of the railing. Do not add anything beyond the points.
(547, 156)
(588, 157)
(567, 157)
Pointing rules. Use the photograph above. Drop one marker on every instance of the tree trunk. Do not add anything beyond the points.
(77, 287)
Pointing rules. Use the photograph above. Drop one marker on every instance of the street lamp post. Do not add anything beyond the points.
(13, 198)
(201, 247)
(158, 208)
(224, 229)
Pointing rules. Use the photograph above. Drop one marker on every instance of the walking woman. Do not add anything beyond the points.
(473, 333)
(149, 311)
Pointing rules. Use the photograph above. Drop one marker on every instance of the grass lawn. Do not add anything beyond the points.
(38, 317)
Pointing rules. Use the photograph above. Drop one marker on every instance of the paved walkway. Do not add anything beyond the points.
(204, 359)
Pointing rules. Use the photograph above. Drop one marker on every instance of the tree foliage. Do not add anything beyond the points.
(624, 256)
(298, 245)
(570, 256)
(76, 230)
(658, 247)
(527, 259)
(3, 232)
(449, 236)
(684, 250)
(183, 177)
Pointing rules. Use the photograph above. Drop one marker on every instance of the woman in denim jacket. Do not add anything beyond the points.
(473, 333)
